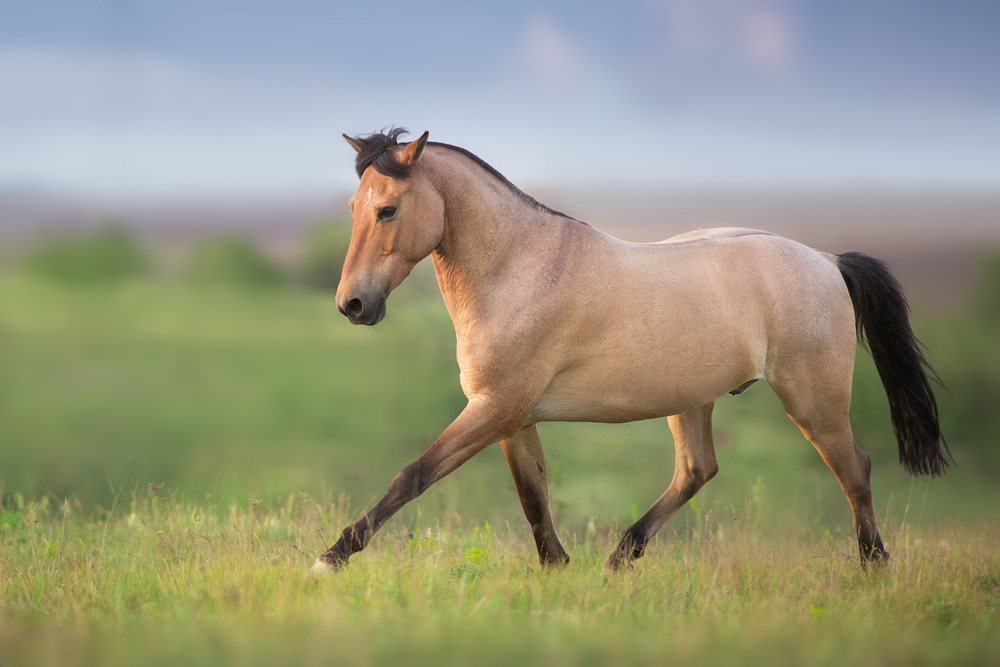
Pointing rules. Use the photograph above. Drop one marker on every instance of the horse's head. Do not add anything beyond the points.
(398, 220)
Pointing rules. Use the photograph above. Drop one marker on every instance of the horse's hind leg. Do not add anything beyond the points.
(527, 465)
(821, 410)
(694, 465)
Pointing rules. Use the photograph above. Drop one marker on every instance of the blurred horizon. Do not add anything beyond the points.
(933, 240)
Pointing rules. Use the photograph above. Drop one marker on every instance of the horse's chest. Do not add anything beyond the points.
(476, 373)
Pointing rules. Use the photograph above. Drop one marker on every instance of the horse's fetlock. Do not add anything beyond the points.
(859, 492)
(632, 543)
(690, 485)
(353, 539)
(334, 559)
(697, 475)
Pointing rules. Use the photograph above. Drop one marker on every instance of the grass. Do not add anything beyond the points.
(162, 580)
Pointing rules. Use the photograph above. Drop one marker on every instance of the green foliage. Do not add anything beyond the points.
(476, 555)
(323, 256)
(965, 351)
(240, 391)
(986, 294)
(759, 494)
(423, 546)
(106, 256)
(234, 261)
(10, 520)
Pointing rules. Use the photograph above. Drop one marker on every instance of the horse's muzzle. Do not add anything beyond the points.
(362, 310)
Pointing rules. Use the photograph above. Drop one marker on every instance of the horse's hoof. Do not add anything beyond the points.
(618, 561)
(319, 568)
(554, 561)
(322, 567)
(878, 559)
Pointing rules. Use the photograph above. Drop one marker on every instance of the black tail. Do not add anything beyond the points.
(882, 319)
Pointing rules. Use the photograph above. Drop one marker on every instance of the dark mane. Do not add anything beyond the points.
(377, 153)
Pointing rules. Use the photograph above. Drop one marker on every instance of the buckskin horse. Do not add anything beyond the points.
(557, 321)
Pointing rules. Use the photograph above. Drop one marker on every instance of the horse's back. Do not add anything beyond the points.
(714, 233)
(793, 294)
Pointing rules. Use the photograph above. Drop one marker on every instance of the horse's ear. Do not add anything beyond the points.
(356, 143)
(413, 149)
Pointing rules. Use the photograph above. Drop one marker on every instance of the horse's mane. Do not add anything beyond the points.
(377, 153)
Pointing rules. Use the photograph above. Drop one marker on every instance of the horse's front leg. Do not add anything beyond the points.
(480, 425)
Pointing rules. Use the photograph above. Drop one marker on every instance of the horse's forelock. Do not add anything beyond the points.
(378, 153)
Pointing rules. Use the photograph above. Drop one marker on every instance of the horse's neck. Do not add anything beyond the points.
(488, 230)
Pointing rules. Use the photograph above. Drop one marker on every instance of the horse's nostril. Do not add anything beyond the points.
(354, 308)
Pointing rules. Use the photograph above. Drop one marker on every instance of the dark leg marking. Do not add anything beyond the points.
(526, 459)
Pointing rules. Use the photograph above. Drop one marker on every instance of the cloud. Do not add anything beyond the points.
(767, 37)
(123, 126)
(755, 33)
(550, 60)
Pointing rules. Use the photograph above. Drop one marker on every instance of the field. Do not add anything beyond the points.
(164, 581)
(173, 455)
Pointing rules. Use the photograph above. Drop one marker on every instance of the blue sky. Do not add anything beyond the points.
(227, 98)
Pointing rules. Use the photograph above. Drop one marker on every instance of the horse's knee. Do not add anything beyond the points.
(630, 547)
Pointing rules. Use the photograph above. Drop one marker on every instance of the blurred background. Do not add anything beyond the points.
(173, 217)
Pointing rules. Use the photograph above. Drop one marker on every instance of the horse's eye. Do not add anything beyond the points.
(386, 212)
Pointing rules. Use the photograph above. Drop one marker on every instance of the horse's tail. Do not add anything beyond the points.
(881, 316)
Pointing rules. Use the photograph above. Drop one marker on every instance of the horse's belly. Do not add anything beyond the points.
(614, 396)
(565, 408)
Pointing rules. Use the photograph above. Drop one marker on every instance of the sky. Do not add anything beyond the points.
(158, 99)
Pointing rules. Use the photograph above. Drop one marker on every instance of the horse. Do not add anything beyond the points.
(558, 321)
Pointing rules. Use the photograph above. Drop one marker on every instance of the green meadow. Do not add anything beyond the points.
(176, 449)
(163, 580)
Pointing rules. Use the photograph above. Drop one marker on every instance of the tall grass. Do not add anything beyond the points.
(162, 579)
